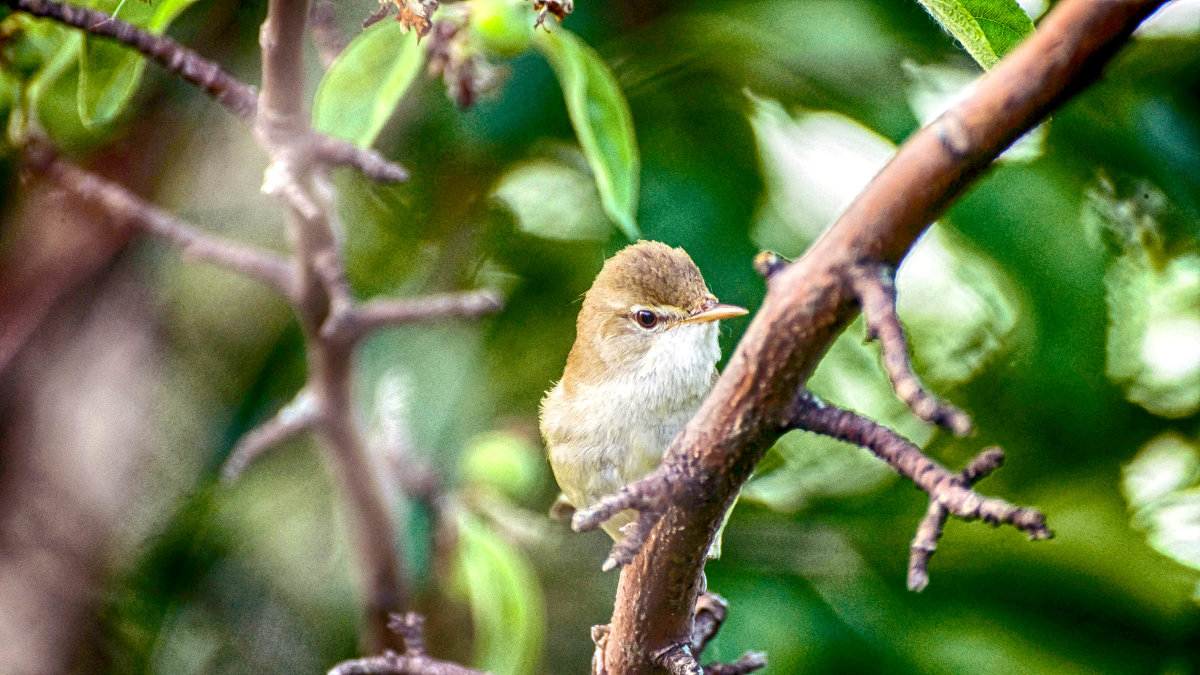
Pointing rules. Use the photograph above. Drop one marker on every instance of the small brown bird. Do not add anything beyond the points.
(644, 359)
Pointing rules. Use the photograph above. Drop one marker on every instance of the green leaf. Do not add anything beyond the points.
(505, 599)
(554, 198)
(987, 29)
(361, 89)
(602, 121)
(109, 72)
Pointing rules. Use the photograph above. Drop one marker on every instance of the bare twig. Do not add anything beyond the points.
(874, 285)
(769, 263)
(930, 528)
(298, 416)
(808, 304)
(352, 324)
(414, 660)
(750, 662)
(943, 486)
(40, 157)
(239, 98)
(328, 37)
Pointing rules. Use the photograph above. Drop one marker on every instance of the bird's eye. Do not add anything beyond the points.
(645, 318)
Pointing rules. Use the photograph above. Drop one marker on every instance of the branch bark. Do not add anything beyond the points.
(809, 303)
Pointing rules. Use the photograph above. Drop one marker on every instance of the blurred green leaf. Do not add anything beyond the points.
(987, 29)
(360, 91)
(554, 199)
(1153, 302)
(1162, 486)
(502, 460)
(602, 121)
(109, 72)
(506, 602)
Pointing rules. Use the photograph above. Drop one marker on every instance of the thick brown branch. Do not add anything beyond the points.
(129, 209)
(874, 285)
(930, 528)
(298, 416)
(808, 304)
(354, 323)
(944, 487)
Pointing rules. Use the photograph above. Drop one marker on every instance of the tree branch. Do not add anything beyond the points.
(944, 487)
(875, 287)
(237, 97)
(930, 528)
(298, 416)
(809, 303)
(351, 325)
(414, 660)
(129, 209)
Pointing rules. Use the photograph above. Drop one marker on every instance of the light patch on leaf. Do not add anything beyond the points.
(1153, 299)
(554, 198)
(1162, 487)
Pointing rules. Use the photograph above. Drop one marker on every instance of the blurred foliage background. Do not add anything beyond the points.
(1058, 302)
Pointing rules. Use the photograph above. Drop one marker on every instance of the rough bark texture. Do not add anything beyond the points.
(809, 303)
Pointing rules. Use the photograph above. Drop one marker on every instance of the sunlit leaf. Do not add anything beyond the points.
(110, 72)
(506, 602)
(361, 89)
(554, 199)
(987, 29)
(1153, 302)
(602, 121)
(1162, 486)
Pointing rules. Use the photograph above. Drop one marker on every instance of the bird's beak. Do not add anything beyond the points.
(716, 313)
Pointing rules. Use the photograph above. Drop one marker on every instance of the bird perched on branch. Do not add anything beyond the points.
(644, 359)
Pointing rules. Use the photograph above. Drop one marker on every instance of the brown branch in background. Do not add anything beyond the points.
(298, 416)
(326, 34)
(414, 660)
(930, 528)
(351, 325)
(809, 303)
(874, 286)
(239, 98)
(126, 207)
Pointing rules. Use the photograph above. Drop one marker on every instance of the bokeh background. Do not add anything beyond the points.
(1058, 302)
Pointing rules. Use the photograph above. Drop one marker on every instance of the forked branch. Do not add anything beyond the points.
(414, 661)
(130, 210)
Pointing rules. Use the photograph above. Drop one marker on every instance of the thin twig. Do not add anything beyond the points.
(327, 36)
(929, 530)
(943, 486)
(351, 325)
(750, 662)
(238, 97)
(874, 285)
(414, 660)
(298, 416)
(129, 209)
